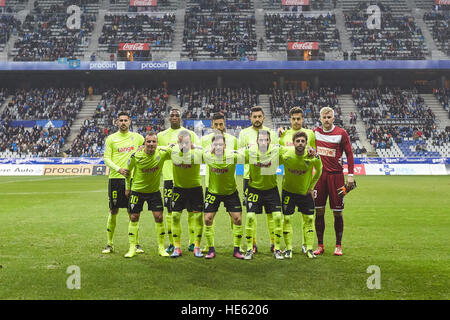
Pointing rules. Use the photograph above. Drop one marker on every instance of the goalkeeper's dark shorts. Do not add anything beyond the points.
(327, 187)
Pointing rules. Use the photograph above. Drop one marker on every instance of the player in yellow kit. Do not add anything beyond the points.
(145, 168)
(118, 148)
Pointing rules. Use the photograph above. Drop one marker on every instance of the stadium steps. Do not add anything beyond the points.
(418, 17)
(5, 104)
(264, 102)
(177, 42)
(87, 111)
(96, 33)
(346, 44)
(441, 114)
(347, 106)
(260, 30)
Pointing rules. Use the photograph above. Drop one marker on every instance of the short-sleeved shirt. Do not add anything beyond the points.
(286, 137)
(168, 137)
(146, 170)
(118, 148)
(262, 167)
(298, 171)
(186, 168)
(206, 141)
(222, 172)
(248, 137)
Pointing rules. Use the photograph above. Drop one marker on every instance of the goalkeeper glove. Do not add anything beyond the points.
(342, 191)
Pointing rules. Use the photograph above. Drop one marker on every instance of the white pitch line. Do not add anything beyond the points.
(57, 192)
(40, 179)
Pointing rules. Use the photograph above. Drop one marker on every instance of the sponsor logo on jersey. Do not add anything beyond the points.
(126, 149)
(263, 165)
(327, 152)
(296, 172)
(150, 170)
(219, 171)
(183, 166)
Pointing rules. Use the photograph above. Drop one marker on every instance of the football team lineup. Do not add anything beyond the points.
(177, 153)
(384, 223)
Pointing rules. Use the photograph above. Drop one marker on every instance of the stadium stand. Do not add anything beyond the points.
(14, 6)
(155, 29)
(34, 104)
(399, 123)
(398, 39)
(438, 21)
(234, 103)
(147, 108)
(8, 25)
(318, 27)
(311, 101)
(443, 95)
(46, 37)
(45, 104)
(222, 30)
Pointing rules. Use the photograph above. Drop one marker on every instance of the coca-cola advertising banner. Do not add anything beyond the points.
(295, 2)
(441, 2)
(303, 46)
(2, 3)
(143, 3)
(139, 46)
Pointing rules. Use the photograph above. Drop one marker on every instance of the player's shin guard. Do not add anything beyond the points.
(270, 226)
(250, 226)
(308, 230)
(197, 220)
(191, 227)
(176, 228)
(277, 229)
(338, 227)
(209, 235)
(169, 227)
(287, 232)
(110, 227)
(160, 234)
(132, 233)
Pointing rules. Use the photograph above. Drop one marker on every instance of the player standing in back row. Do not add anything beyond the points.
(166, 138)
(118, 148)
(332, 141)
(247, 139)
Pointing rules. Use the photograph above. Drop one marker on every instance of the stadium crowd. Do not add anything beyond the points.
(155, 30)
(220, 29)
(44, 35)
(399, 37)
(51, 104)
(8, 24)
(36, 142)
(443, 95)
(234, 103)
(147, 108)
(438, 22)
(281, 28)
(391, 103)
(310, 101)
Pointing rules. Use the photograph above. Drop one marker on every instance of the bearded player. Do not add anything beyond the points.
(118, 148)
(332, 141)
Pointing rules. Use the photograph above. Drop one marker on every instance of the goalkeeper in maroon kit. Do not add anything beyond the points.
(332, 141)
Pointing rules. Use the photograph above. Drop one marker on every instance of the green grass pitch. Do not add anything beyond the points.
(400, 224)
